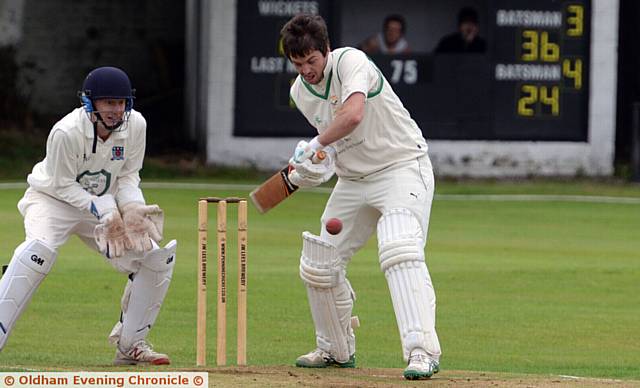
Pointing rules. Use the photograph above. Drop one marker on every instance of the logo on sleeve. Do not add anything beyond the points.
(117, 153)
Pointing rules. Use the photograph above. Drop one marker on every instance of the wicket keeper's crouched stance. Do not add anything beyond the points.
(385, 181)
(87, 185)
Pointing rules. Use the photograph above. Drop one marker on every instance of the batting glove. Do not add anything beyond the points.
(305, 151)
(308, 173)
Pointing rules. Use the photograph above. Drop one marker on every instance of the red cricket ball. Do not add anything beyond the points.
(333, 225)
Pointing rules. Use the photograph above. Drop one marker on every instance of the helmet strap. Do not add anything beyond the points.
(95, 137)
(110, 128)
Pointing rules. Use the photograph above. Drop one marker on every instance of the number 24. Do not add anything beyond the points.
(549, 96)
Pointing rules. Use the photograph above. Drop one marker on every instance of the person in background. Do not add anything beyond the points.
(391, 40)
(466, 39)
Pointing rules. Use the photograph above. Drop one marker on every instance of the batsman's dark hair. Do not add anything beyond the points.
(303, 34)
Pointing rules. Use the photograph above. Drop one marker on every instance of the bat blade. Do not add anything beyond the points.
(277, 188)
(273, 191)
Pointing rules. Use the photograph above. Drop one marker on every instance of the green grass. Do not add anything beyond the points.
(523, 287)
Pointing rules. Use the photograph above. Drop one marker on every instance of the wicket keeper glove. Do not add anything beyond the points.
(109, 233)
(142, 223)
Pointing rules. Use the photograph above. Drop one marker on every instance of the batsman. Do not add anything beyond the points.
(88, 185)
(385, 184)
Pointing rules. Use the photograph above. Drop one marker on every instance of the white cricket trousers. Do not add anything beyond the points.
(359, 203)
(53, 222)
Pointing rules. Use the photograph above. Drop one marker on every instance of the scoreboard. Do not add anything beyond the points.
(530, 85)
(540, 69)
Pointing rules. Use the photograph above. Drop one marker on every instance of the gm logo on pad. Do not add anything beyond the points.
(37, 260)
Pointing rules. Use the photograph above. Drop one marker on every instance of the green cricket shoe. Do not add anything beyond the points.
(421, 367)
(321, 359)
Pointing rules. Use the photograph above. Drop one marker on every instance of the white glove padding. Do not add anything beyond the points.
(142, 223)
(307, 174)
(101, 206)
(305, 151)
(110, 235)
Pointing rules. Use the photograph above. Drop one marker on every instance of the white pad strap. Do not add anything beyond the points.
(401, 253)
(31, 262)
(144, 295)
(330, 297)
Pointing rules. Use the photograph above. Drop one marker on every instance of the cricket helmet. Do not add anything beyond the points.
(106, 82)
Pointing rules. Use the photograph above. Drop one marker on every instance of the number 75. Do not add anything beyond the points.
(407, 70)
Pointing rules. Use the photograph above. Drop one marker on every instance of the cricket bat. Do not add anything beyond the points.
(277, 188)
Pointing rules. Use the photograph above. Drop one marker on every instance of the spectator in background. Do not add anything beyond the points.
(391, 40)
(466, 39)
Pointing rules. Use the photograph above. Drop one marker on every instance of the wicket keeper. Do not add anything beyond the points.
(385, 183)
(88, 185)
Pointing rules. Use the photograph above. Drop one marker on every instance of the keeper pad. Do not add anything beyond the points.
(144, 295)
(31, 262)
(401, 251)
(330, 297)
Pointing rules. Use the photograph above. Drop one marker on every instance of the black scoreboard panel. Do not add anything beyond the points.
(541, 69)
(263, 75)
(531, 84)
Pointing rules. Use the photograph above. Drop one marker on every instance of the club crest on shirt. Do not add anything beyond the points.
(95, 182)
(333, 100)
(117, 153)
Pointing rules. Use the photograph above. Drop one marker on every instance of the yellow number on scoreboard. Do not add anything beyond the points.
(537, 45)
(551, 96)
(575, 20)
(549, 51)
(526, 102)
(574, 71)
(529, 45)
(531, 95)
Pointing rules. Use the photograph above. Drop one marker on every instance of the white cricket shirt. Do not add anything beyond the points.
(70, 171)
(386, 135)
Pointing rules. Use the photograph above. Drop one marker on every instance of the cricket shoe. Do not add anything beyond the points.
(321, 359)
(420, 366)
(140, 353)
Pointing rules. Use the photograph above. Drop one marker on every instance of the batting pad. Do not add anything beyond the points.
(400, 247)
(330, 297)
(32, 260)
(144, 295)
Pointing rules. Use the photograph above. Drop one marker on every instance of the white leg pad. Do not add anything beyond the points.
(144, 295)
(116, 332)
(401, 251)
(330, 297)
(32, 260)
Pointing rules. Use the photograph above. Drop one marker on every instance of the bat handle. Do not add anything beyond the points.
(318, 157)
